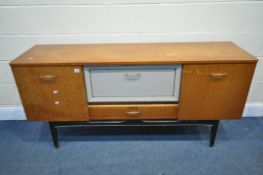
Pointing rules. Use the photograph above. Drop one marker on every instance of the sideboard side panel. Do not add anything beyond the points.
(204, 97)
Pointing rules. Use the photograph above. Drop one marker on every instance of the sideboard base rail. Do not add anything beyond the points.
(213, 124)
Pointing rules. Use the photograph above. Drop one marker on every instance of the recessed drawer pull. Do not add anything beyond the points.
(133, 112)
(127, 75)
(218, 75)
(47, 78)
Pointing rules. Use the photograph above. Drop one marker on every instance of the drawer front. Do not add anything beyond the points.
(160, 83)
(132, 112)
(52, 93)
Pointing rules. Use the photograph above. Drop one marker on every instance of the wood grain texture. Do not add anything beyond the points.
(147, 53)
(204, 97)
(38, 98)
(211, 87)
(133, 112)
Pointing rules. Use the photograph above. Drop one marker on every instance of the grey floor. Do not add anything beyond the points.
(26, 148)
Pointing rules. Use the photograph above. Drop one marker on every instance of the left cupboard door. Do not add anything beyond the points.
(52, 93)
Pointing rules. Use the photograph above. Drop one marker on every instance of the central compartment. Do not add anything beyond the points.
(155, 83)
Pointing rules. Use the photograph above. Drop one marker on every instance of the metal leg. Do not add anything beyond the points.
(212, 123)
(213, 132)
(54, 133)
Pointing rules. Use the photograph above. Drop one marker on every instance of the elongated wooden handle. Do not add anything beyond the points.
(133, 113)
(132, 76)
(218, 76)
(47, 78)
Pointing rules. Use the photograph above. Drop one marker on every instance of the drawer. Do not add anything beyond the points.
(133, 112)
(51, 76)
(133, 83)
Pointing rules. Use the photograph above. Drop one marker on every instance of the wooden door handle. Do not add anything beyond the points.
(133, 113)
(132, 76)
(218, 75)
(47, 78)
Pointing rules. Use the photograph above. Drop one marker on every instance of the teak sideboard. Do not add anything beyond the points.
(134, 84)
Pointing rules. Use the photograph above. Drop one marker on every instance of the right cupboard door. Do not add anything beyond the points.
(214, 91)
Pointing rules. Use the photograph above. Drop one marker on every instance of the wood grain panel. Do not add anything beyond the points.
(214, 91)
(39, 97)
(133, 112)
(147, 53)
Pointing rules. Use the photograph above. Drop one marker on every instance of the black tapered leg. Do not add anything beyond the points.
(213, 132)
(54, 134)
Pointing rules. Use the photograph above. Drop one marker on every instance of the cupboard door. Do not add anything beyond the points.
(52, 93)
(214, 91)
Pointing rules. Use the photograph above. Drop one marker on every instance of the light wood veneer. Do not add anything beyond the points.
(214, 91)
(58, 97)
(214, 84)
(146, 53)
(133, 112)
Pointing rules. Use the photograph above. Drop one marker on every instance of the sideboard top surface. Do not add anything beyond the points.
(144, 53)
